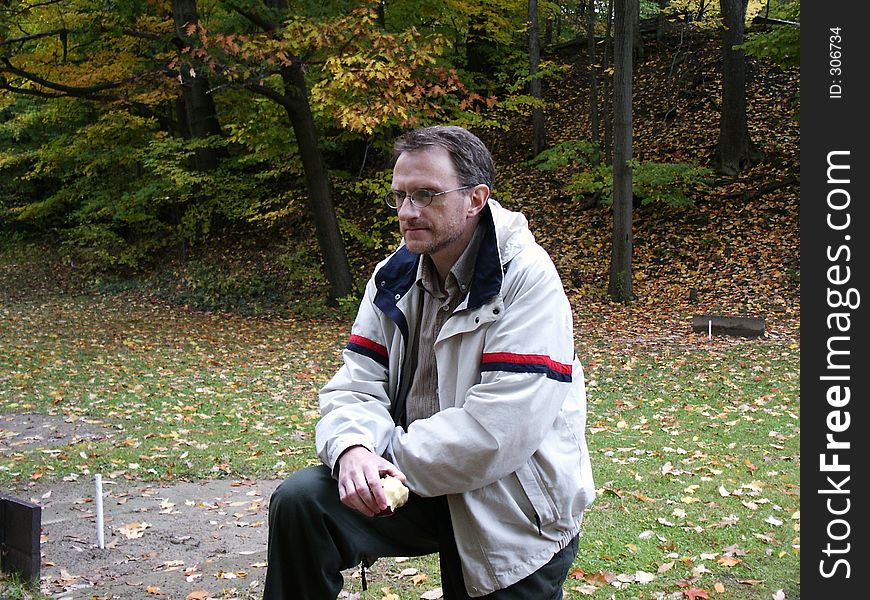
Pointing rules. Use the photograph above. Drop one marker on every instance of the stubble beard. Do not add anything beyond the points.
(436, 244)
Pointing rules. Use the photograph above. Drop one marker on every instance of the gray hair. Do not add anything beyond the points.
(470, 157)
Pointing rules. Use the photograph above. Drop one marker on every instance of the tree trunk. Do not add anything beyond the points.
(608, 123)
(199, 108)
(620, 286)
(735, 150)
(539, 135)
(593, 74)
(638, 49)
(317, 180)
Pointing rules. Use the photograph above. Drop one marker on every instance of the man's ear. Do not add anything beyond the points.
(479, 196)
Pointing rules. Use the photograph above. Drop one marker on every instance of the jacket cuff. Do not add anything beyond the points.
(344, 444)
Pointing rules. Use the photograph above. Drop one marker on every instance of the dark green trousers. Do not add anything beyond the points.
(313, 537)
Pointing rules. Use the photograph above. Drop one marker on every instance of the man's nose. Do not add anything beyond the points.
(408, 210)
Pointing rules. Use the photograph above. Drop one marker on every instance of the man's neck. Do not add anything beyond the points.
(445, 262)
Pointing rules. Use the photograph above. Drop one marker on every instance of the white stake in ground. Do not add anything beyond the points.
(98, 497)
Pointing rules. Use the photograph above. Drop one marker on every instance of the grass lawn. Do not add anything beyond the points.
(694, 442)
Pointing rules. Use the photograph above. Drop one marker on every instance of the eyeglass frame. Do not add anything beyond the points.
(390, 198)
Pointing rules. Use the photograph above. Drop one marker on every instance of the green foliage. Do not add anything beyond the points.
(120, 191)
(672, 184)
(704, 15)
(649, 8)
(98, 248)
(211, 287)
(113, 175)
(566, 154)
(781, 43)
(367, 191)
(301, 267)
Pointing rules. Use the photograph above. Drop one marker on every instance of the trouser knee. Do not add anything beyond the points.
(303, 493)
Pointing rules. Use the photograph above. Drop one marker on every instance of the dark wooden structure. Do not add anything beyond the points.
(20, 525)
(748, 327)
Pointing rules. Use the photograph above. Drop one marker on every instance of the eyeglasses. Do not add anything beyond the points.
(419, 198)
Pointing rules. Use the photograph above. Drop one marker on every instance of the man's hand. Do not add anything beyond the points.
(359, 480)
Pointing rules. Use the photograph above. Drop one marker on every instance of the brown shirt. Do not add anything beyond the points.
(437, 306)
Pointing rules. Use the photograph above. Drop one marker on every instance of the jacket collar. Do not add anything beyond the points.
(398, 274)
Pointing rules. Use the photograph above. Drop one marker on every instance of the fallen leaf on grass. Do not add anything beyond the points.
(388, 594)
(643, 577)
(586, 590)
(728, 561)
(666, 567)
(432, 594)
(637, 577)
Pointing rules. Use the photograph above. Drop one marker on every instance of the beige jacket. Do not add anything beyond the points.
(507, 447)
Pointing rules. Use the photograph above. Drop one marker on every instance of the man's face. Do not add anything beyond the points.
(439, 229)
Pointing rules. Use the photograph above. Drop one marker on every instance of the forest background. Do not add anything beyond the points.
(232, 156)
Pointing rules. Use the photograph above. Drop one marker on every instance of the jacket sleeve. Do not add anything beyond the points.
(525, 376)
(355, 403)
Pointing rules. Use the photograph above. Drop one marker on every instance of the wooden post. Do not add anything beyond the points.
(20, 525)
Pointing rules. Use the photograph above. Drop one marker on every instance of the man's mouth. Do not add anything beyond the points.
(414, 227)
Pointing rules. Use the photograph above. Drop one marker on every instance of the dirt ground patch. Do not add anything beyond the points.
(20, 430)
(196, 540)
(161, 541)
(206, 538)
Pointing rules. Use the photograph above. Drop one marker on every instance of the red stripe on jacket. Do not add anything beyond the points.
(367, 343)
(526, 359)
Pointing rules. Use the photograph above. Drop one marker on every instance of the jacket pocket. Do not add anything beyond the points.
(536, 491)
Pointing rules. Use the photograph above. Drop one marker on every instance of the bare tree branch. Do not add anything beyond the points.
(91, 92)
(268, 93)
(4, 85)
(34, 36)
